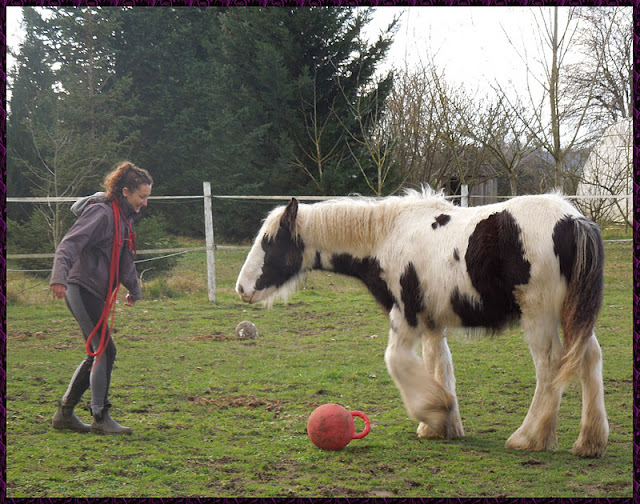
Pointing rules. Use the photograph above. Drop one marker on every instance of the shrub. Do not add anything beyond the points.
(151, 233)
(30, 238)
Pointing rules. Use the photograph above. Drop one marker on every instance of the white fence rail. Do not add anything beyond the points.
(211, 247)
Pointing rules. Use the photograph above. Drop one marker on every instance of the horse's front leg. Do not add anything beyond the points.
(437, 361)
(426, 400)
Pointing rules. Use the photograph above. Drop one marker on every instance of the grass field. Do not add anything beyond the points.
(215, 416)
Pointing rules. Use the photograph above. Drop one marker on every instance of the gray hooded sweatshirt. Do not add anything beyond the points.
(83, 257)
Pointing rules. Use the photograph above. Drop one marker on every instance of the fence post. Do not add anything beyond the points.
(208, 232)
(464, 192)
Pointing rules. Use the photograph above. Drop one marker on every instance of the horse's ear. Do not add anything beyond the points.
(289, 216)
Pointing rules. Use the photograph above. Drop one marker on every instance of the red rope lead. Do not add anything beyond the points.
(114, 277)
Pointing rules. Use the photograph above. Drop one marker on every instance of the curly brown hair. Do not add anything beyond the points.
(125, 175)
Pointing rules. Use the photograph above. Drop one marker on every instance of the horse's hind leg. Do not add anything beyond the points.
(594, 427)
(538, 430)
(437, 361)
(426, 400)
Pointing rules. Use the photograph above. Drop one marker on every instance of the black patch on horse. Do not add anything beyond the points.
(578, 239)
(368, 270)
(456, 254)
(411, 295)
(282, 258)
(496, 265)
(441, 220)
(564, 245)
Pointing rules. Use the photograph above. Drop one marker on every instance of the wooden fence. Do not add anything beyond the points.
(210, 245)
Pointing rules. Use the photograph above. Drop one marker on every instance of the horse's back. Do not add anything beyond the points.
(484, 264)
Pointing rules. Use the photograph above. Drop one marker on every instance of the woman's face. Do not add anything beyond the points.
(138, 198)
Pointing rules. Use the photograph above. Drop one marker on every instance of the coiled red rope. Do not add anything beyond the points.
(114, 278)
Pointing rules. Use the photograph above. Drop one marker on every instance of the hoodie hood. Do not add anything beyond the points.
(101, 197)
(81, 203)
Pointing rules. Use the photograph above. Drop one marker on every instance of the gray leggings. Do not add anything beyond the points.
(87, 309)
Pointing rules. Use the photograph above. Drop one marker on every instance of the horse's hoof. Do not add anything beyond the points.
(452, 429)
(592, 441)
(588, 450)
(455, 428)
(426, 432)
(519, 441)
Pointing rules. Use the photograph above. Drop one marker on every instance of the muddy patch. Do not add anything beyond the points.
(236, 401)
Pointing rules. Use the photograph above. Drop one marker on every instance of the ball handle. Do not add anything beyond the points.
(367, 424)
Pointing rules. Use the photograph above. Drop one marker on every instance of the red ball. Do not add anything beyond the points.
(331, 426)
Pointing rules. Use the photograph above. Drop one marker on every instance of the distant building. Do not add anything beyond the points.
(608, 172)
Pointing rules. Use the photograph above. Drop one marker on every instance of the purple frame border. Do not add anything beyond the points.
(374, 3)
(3, 268)
(636, 250)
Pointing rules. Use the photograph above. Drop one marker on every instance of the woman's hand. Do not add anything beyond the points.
(58, 290)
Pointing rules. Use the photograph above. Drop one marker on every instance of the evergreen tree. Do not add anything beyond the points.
(92, 107)
(255, 100)
(168, 54)
(69, 129)
(288, 79)
(33, 102)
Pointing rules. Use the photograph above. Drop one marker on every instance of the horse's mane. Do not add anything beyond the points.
(355, 221)
(425, 192)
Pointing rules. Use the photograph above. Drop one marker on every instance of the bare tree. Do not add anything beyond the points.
(429, 119)
(413, 120)
(458, 111)
(606, 30)
(61, 169)
(372, 142)
(315, 156)
(561, 128)
(505, 135)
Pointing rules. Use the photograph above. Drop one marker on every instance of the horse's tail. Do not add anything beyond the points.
(579, 248)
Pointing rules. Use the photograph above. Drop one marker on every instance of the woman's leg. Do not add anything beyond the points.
(87, 309)
(65, 417)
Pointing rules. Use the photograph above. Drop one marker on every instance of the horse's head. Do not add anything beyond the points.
(273, 267)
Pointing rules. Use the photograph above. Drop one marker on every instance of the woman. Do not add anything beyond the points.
(88, 266)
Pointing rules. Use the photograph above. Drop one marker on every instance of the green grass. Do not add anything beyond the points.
(215, 416)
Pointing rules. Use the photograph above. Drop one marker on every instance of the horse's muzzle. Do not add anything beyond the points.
(247, 297)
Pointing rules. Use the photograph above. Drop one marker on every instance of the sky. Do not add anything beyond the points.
(468, 43)
(14, 33)
(468, 40)
(474, 46)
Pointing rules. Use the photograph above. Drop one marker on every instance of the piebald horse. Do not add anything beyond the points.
(432, 265)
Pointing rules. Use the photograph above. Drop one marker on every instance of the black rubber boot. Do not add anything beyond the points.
(66, 419)
(104, 424)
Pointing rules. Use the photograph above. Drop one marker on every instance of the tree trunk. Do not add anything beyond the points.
(553, 102)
